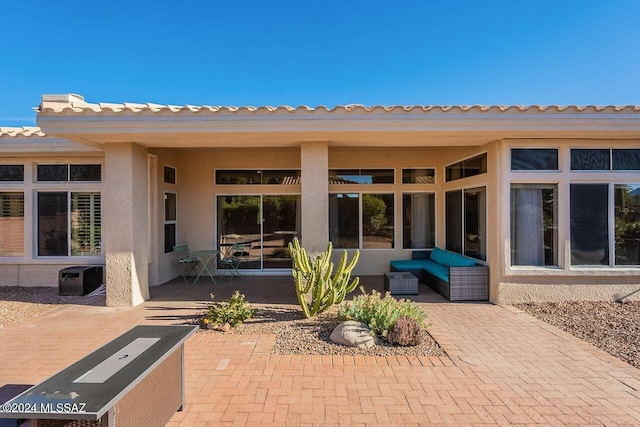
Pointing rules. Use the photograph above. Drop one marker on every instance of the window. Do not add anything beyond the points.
(12, 224)
(169, 175)
(589, 219)
(418, 221)
(466, 222)
(369, 217)
(466, 168)
(377, 221)
(605, 159)
(418, 176)
(343, 220)
(86, 233)
(258, 177)
(626, 160)
(83, 173)
(9, 173)
(590, 159)
(627, 224)
(534, 159)
(69, 223)
(170, 221)
(361, 176)
(534, 224)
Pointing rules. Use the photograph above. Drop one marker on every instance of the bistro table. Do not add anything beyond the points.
(136, 379)
(207, 264)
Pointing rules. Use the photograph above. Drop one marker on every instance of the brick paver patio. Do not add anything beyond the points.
(504, 367)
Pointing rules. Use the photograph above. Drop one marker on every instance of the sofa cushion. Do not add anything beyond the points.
(436, 255)
(407, 264)
(438, 270)
(452, 259)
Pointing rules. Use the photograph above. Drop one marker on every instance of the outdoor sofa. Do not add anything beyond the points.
(454, 276)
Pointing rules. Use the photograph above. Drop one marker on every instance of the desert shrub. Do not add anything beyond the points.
(406, 331)
(233, 311)
(381, 313)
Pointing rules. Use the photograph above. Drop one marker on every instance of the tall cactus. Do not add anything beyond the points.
(317, 290)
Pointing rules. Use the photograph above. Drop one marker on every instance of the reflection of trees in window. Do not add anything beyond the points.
(627, 224)
(377, 220)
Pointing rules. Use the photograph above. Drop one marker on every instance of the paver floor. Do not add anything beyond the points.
(504, 367)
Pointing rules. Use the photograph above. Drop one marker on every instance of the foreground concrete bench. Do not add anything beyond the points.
(136, 379)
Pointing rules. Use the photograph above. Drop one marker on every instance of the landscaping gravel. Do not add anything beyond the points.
(612, 326)
(21, 303)
(296, 334)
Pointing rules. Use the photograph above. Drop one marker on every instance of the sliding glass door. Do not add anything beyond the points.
(263, 224)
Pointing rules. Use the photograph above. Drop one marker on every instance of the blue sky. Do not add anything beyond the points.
(319, 53)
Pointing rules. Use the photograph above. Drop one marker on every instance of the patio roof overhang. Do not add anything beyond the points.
(153, 125)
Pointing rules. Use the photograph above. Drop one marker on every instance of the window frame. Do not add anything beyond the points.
(435, 218)
(523, 171)
(166, 222)
(68, 179)
(360, 221)
(462, 161)
(175, 175)
(36, 222)
(463, 191)
(24, 218)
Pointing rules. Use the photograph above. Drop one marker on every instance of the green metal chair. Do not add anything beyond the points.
(232, 260)
(186, 263)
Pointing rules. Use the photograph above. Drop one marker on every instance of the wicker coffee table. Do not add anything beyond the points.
(401, 283)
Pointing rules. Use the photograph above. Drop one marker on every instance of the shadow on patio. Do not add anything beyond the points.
(265, 290)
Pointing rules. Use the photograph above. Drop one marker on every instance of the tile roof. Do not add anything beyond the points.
(75, 104)
(25, 131)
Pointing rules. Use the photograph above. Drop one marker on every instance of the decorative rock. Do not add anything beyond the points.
(353, 334)
(225, 327)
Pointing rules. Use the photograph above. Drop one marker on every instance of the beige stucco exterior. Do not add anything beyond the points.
(134, 142)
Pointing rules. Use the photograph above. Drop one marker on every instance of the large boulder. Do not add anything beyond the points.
(353, 334)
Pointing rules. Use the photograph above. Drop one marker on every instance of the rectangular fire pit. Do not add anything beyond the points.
(136, 379)
(401, 283)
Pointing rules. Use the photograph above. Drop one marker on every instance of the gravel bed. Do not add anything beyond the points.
(612, 326)
(21, 303)
(297, 335)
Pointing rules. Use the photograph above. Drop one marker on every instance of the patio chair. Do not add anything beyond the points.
(187, 264)
(232, 259)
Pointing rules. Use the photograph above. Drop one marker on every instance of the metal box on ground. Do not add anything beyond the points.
(79, 280)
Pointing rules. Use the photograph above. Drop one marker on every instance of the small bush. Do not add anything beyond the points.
(406, 331)
(381, 313)
(233, 311)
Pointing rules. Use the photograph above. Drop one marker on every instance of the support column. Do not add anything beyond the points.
(125, 224)
(315, 195)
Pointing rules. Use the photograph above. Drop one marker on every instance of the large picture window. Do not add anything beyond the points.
(418, 221)
(12, 224)
(534, 229)
(69, 223)
(466, 222)
(366, 218)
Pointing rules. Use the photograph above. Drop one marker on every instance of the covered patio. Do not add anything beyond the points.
(266, 290)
